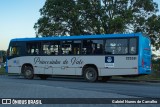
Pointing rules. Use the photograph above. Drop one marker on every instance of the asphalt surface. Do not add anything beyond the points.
(18, 87)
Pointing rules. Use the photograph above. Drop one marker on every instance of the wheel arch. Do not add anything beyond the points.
(87, 66)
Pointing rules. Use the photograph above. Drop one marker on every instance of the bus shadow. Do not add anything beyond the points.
(57, 78)
(53, 78)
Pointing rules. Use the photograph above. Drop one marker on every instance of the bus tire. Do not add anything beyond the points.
(28, 72)
(90, 74)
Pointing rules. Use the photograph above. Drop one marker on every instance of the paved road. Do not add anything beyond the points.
(18, 87)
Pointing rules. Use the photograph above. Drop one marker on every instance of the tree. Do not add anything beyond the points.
(79, 17)
(58, 18)
(153, 29)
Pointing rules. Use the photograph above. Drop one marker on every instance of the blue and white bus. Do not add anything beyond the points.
(91, 56)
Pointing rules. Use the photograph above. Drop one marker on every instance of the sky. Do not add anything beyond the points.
(17, 18)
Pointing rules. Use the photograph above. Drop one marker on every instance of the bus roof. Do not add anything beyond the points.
(79, 37)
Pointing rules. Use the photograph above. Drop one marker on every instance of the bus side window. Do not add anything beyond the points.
(33, 49)
(87, 47)
(97, 47)
(55, 48)
(133, 46)
(110, 46)
(66, 48)
(46, 48)
(122, 45)
(116, 46)
(99, 50)
(76, 46)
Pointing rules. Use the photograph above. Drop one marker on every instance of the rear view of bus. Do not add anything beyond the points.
(144, 55)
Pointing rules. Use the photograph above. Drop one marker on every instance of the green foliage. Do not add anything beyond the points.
(2, 71)
(79, 17)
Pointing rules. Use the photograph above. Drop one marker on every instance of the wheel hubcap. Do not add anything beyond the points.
(28, 72)
(90, 75)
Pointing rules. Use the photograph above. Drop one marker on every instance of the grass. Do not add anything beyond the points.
(155, 75)
(2, 71)
(142, 77)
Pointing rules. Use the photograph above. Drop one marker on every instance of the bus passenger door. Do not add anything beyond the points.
(14, 66)
(13, 59)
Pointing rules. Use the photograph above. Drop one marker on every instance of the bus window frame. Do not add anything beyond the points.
(128, 40)
(19, 46)
(41, 42)
(33, 42)
(137, 45)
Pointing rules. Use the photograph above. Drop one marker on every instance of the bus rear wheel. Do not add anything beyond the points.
(28, 72)
(90, 74)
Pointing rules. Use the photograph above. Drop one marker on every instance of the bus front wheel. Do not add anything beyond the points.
(28, 72)
(90, 74)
